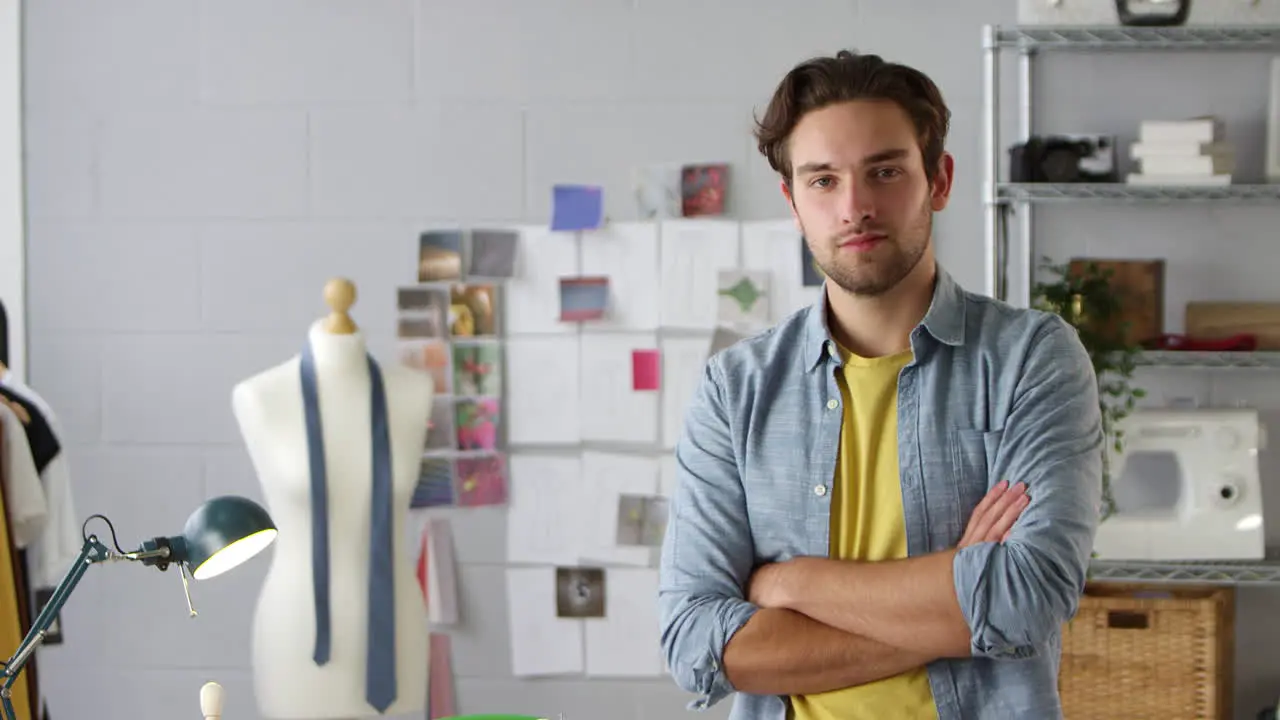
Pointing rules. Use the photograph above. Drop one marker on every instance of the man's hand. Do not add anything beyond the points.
(994, 517)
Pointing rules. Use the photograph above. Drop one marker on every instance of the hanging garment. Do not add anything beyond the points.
(41, 555)
(12, 628)
(25, 501)
(59, 542)
(40, 436)
(18, 558)
(380, 681)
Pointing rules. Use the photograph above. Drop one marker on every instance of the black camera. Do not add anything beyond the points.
(1064, 159)
(1152, 13)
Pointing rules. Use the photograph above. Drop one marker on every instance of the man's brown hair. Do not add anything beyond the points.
(822, 81)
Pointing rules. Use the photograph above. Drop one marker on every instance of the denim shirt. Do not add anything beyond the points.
(992, 392)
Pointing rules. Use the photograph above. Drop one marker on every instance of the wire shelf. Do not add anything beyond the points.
(1259, 572)
(1261, 360)
(1258, 37)
(1123, 192)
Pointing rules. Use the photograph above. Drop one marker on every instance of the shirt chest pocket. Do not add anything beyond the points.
(779, 488)
(974, 469)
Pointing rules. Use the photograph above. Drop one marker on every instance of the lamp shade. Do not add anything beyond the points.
(224, 532)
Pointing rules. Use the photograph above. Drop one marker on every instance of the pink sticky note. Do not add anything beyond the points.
(645, 370)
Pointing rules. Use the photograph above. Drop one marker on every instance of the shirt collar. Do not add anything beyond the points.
(944, 320)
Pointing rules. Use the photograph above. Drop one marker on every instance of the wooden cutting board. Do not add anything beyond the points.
(1139, 285)
(1223, 319)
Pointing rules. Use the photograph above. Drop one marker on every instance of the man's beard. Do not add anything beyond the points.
(875, 277)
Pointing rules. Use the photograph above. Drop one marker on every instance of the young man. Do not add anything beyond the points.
(843, 542)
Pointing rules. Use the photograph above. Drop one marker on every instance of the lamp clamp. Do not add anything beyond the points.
(157, 552)
(160, 552)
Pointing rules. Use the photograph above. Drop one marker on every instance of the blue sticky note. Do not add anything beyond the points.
(577, 207)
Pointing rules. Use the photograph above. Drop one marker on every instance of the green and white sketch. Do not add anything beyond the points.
(744, 298)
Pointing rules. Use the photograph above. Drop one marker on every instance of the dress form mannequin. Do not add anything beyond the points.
(269, 408)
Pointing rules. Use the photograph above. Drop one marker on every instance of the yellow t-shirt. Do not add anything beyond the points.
(867, 524)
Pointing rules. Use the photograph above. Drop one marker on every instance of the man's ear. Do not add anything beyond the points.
(791, 201)
(943, 176)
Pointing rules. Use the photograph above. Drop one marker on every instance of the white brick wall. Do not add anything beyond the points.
(197, 168)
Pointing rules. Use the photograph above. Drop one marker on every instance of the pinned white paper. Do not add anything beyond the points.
(440, 579)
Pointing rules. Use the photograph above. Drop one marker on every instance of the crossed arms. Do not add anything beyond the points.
(815, 624)
(850, 623)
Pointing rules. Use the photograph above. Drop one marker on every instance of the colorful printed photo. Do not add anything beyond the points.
(743, 298)
(493, 254)
(657, 190)
(473, 311)
(476, 420)
(423, 299)
(477, 368)
(435, 484)
(703, 189)
(432, 357)
(481, 481)
(440, 255)
(642, 520)
(579, 592)
(409, 327)
(583, 298)
(440, 433)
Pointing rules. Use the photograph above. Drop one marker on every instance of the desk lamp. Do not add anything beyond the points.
(222, 533)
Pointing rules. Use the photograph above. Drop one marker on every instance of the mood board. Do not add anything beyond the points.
(564, 361)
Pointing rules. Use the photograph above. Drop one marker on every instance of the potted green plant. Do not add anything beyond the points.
(1086, 299)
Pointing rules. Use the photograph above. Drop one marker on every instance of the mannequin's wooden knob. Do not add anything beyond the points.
(340, 295)
(211, 701)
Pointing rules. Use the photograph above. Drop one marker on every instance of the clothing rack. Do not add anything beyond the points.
(17, 563)
(4, 335)
(17, 597)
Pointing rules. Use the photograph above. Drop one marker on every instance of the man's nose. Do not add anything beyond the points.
(857, 203)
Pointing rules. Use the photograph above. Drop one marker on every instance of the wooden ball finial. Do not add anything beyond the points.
(340, 295)
(211, 701)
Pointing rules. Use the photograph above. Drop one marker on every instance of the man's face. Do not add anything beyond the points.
(860, 195)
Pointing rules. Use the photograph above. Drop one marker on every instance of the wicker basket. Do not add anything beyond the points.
(1149, 651)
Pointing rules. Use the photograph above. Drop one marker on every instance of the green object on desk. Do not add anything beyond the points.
(495, 717)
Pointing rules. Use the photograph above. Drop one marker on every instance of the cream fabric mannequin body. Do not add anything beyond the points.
(269, 409)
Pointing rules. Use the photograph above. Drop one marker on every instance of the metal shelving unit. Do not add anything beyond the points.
(1000, 197)
(1093, 38)
(1027, 41)
(1122, 192)
(1260, 572)
(1210, 360)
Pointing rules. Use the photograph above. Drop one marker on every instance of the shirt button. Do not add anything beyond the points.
(819, 490)
(832, 404)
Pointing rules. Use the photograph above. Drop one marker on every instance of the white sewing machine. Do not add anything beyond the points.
(1186, 487)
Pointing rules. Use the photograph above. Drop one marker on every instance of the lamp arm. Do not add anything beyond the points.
(93, 551)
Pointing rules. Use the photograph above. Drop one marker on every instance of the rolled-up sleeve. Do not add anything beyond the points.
(707, 553)
(1016, 594)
